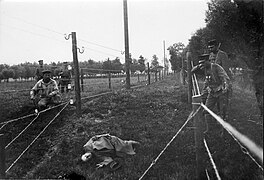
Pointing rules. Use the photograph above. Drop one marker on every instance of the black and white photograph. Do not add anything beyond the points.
(131, 89)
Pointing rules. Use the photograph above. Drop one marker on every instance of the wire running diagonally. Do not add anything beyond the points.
(36, 138)
(22, 131)
(212, 160)
(238, 137)
(34, 114)
(192, 114)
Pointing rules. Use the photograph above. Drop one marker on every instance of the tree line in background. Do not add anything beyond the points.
(237, 25)
(26, 71)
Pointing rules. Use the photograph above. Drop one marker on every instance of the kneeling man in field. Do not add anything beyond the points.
(45, 92)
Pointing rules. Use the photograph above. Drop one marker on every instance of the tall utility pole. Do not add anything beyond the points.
(164, 59)
(76, 75)
(127, 61)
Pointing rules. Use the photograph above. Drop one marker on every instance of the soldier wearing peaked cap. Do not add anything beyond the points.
(215, 87)
(65, 78)
(45, 92)
(38, 74)
(218, 56)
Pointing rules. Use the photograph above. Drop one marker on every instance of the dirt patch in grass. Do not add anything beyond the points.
(151, 115)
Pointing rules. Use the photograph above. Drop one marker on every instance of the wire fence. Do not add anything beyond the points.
(243, 141)
(212, 160)
(36, 138)
(36, 116)
(192, 114)
(237, 136)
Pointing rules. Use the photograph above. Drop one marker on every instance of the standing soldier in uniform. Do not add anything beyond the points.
(216, 86)
(65, 78)
(38, 74)
(220, 57)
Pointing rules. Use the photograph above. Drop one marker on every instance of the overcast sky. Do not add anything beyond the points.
(34, 30)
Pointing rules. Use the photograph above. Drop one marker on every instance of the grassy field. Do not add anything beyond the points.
(15, 100)
(151, 115)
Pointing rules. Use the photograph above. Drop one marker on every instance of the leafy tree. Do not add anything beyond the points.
(176, 55)
(238, 25)
(141, 63)
(154, 61)
(116, 64)
(7, 73)
(107, 65)
(1, 77)
(18, 71)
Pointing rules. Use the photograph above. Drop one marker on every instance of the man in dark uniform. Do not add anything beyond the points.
(215, 88)
(220, 57)
(38, 74)
(65, 78)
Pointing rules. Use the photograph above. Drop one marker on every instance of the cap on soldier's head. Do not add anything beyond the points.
(40, 61)
(46, 71)
(212, 42)
(204, 57)
(65, 62)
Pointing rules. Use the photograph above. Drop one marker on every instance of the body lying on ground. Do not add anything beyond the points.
(106, 148)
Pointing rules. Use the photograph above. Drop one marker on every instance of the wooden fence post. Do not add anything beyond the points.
(189, 76)
(2, 157)
(109, 80)
(148, 74)
(198, 136)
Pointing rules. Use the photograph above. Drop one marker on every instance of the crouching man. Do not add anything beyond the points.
(107, 149)
(45, 92)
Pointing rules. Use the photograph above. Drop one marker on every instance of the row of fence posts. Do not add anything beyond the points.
(77, 89)
(158, 75)
(78, 80)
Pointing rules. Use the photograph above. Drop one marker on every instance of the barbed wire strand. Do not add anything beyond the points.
(257, 123)
(92, 69)
(97, 95)
(36, 25)
(48, 29)
(245, 151)
(101, 52)
(3, 126)
(212, 160)
(22, 131)
(197, 86)
(194, 87)
(238, 137)
(250, 144)
(41, 35)
(34, 114)
(13, 120)
(207, 174)
(36, 138)
(99, 45)
(14, 91)
(192, 114)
